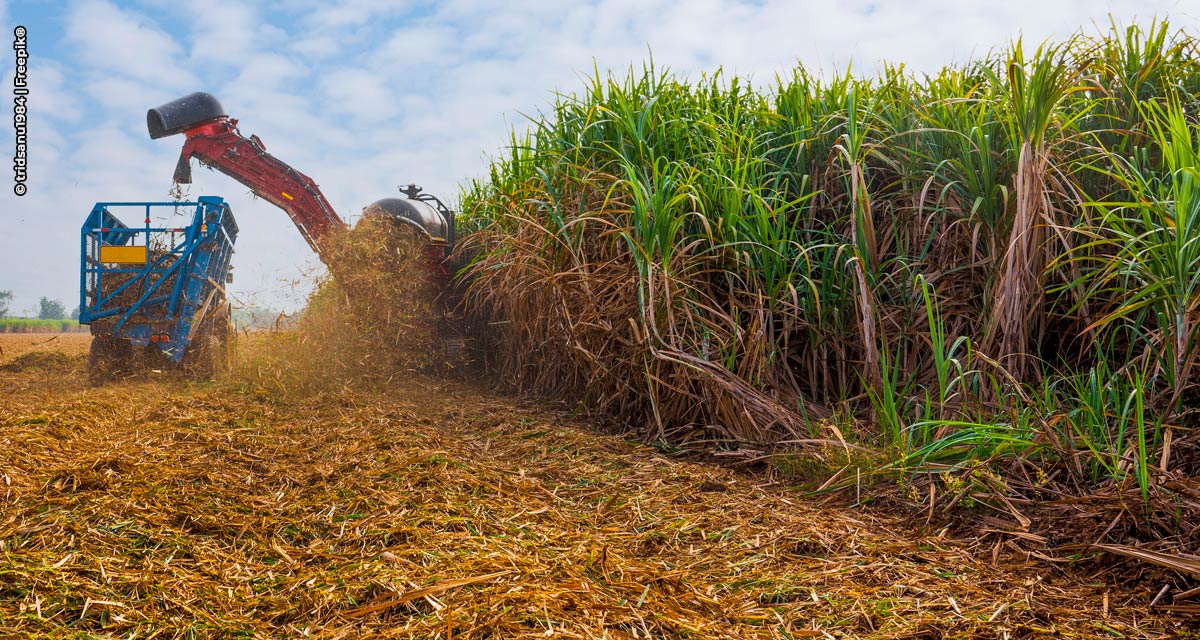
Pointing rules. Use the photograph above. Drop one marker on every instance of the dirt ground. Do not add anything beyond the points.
(437, 509)
(13, 345)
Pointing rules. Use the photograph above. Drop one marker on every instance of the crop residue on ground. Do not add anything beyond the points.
(436, 509)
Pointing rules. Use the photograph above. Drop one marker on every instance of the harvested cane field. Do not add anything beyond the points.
(429, 508)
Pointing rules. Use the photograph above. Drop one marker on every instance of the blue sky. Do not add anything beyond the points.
(364, 95)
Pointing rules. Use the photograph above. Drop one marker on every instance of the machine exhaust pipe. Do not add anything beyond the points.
(185, 113)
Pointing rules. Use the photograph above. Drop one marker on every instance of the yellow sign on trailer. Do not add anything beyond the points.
(123, 255)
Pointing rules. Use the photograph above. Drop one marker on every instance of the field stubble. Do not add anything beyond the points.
(435, 509)
(15, 345)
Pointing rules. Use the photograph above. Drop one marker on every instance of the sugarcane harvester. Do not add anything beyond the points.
(154, 301)
(213, 138)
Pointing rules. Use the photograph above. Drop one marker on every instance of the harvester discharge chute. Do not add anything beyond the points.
(185, 113)
(213, 138)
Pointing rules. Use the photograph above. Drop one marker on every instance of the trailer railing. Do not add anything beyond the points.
(152, 284)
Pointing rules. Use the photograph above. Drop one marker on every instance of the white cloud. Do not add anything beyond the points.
(269, 71)
(49, 86)
(411, 47)
(330, 28)
(352, 13)
(121, 98)
(316, 46)
(228, 32)
(359, 93)
(122, 42)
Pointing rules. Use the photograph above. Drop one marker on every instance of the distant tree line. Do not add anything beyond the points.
(47, 308)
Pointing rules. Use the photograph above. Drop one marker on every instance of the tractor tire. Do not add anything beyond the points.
(211, 350)
(108, 359)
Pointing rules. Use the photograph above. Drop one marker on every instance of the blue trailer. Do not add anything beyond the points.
(155, 296)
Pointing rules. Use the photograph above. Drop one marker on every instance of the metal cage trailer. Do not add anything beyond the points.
(155, 296)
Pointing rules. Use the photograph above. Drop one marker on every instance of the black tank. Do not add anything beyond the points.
(415, 212)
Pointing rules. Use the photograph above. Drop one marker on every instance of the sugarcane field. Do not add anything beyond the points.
(601, 320)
